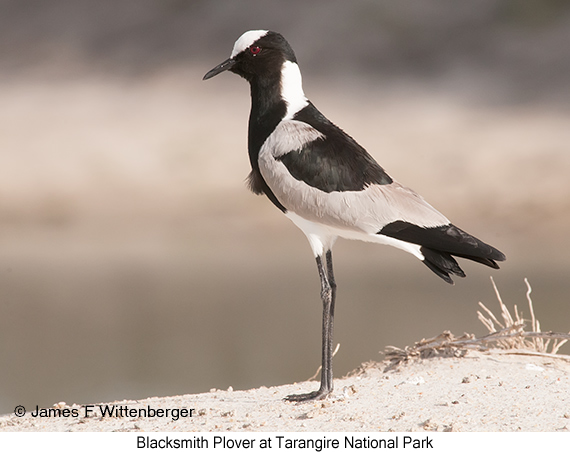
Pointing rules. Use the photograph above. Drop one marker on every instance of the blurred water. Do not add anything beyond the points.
(147, 313)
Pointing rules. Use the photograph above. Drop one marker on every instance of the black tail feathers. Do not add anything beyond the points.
(439, 244)
(444, 265)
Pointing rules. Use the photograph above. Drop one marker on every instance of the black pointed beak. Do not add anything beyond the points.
(226, 65)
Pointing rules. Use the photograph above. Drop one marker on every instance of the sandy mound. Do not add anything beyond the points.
(479, 392)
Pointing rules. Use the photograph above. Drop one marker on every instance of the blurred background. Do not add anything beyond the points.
(135, 263)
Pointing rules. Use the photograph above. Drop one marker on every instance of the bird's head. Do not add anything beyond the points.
(256, 53)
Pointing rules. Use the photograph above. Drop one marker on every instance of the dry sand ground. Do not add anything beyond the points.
(479, 392)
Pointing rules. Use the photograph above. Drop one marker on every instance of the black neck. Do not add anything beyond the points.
(267, 110)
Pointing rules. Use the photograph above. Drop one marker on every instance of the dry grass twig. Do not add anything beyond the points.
(509, 337)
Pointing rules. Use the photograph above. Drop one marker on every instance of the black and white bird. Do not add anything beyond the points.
(328, 185)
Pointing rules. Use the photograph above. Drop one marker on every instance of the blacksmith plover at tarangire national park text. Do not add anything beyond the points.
(328, 185)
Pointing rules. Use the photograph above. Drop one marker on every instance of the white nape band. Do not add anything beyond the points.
(292, 89)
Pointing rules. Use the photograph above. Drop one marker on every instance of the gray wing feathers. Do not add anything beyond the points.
(290, 136)
(366, 211)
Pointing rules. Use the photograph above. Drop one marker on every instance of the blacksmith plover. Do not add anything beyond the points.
(328, 185)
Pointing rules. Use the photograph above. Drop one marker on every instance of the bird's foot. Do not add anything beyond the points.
(321, 394)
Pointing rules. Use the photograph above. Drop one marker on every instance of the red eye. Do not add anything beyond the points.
(254, 50)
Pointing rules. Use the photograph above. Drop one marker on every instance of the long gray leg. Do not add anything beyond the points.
(328, 324)
(328, 295)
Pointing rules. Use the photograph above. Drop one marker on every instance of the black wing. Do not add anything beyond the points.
(335, 162)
